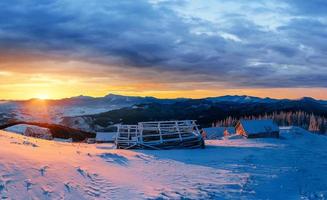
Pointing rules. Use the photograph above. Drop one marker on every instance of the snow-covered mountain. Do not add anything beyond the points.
(205, 111)
(53, 111)
(241, 99)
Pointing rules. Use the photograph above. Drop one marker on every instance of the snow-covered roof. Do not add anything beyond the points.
(217, 132)
(259, 126)
(105, 136)
(21, 129)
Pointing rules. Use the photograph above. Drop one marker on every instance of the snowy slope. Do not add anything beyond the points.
(289, 168)
(53, 110)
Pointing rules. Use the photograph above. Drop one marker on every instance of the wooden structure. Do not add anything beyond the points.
(159, 135)
(257, 129)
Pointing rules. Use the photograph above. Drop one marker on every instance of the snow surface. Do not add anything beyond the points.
(292, 167)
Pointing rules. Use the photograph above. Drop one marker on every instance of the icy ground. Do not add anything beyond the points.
(293, 167)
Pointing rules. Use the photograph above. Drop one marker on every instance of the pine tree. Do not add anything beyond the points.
(302, 119)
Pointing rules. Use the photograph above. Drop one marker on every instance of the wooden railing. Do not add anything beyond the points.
(156, 133)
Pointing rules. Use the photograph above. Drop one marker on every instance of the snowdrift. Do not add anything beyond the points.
(292, 167)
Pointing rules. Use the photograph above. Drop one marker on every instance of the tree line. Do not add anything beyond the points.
(309, 121)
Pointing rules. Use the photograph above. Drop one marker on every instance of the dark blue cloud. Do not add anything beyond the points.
(312, 7)
(260, 44)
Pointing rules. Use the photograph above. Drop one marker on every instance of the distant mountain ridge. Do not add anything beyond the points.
(53, 110)
(115, 98)
(205, 111)
(112, 108)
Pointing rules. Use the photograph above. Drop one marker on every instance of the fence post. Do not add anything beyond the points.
(179, 132)
(161, 140)
(140, 129)
(118, 134)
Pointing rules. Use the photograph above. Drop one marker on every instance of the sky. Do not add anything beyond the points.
(163, 48)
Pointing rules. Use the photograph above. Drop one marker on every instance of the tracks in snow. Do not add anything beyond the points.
(96, 186)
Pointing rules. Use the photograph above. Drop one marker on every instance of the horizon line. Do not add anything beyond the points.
(154, 96)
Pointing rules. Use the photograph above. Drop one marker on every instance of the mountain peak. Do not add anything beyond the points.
(241, 99)
(307, 99)
(82, 97)
(114, 95)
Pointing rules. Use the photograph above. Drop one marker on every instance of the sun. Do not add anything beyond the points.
(42, 96)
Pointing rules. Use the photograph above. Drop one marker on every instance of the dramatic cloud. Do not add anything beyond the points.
(230, 44)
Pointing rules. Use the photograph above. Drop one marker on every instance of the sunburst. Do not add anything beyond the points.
(42, 96)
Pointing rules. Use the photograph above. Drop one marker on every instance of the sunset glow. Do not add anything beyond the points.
(63, 85)
(42, 96)
(72, 52)
(44, 81)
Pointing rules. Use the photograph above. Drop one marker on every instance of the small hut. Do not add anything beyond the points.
(214, 133)
(105, 137)
(257, 129)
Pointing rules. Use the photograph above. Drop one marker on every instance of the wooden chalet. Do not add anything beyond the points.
(214, 133)
(257, 129)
